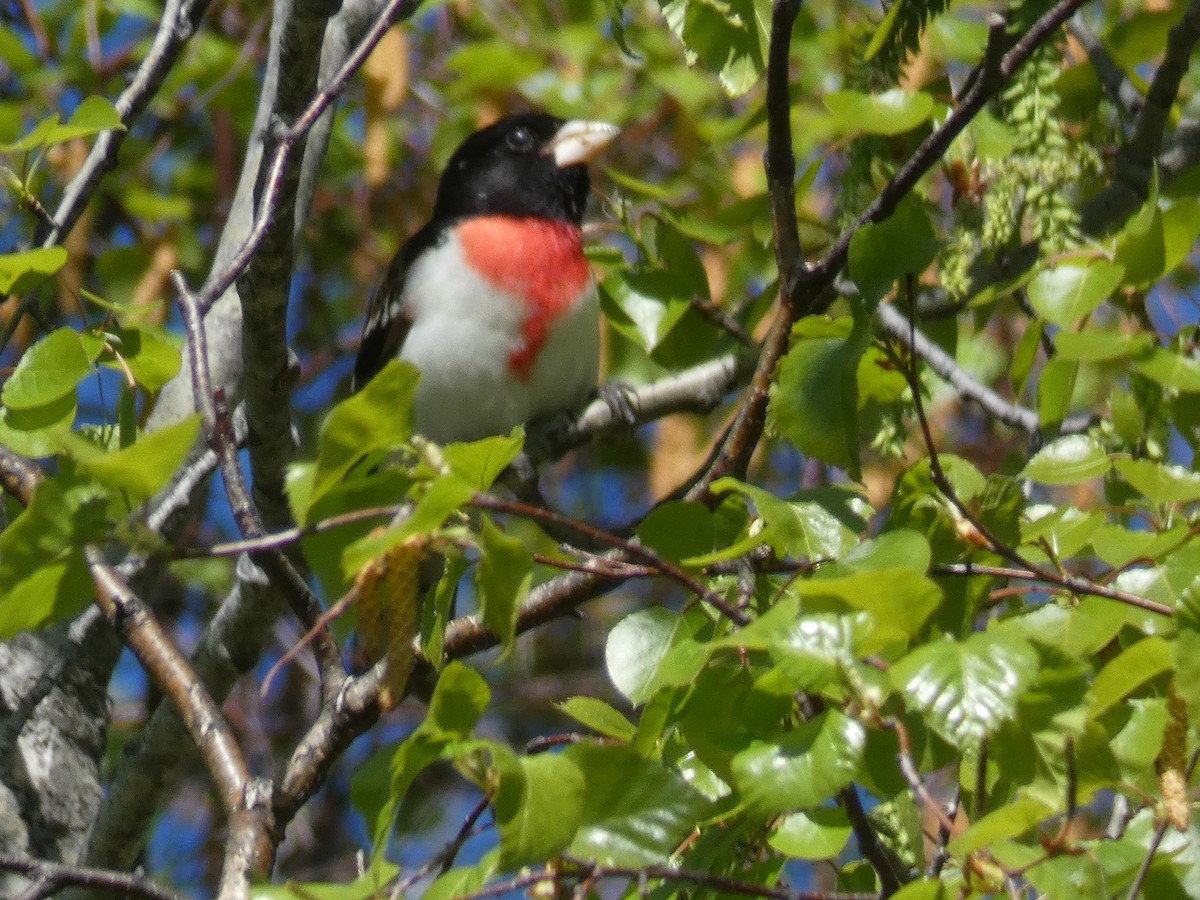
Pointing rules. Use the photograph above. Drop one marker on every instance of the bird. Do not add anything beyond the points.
(493, 300)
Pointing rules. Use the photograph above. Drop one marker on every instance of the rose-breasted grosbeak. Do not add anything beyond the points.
(492, 300)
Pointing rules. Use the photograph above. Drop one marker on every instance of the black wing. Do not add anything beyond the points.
(387, 321)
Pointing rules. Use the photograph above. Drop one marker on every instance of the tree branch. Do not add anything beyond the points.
(896, 324)
(49, 877)
(221, 439)
(179, 22)
(249, 850)
(1136, 157)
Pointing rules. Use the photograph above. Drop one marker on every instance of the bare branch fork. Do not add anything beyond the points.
(803, 288)
(285, 138)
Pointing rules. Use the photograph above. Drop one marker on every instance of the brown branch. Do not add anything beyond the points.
(19, 477)
(780, 160)
(869, 844)
(900, 327)
(805, 290)
(249, 849)
(1135, 160)
(1073, 583)
(734, 452)
(49, 877)
(286, 140)
(628, 548)
(357, 706)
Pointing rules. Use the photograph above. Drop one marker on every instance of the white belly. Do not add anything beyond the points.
(462, 339)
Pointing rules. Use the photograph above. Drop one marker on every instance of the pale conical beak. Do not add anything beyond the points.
(580, 142)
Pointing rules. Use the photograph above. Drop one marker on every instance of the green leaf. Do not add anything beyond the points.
(1055, 390)
(459, 699)
(480, 462)
(892, 549)
(1094, 345)
(1141, 245)
(367, 886)
(1172, 370)
(39, 431)
(60, 518)
(150, 355)
(1065, 528)
(48, 371)
(922, 889)
(817, 524)
(814, 400)
(649, 650)
(22, 272)
(1069, 292)
(893, 112)
(677, 530)
(440, 499)
(727, 37)
(635, 811)
(379, 417)
(141, 469)
(1072, 459)
(53, 593)
(899, 600)
(800, 768)
(966, 690)
(1128, 671)
(538, 807)
(1160, 482)
(819, 833)
(1009, 821)
(464, 881)
(646, 305)
(1181, 231)
(598, 716)
(882, 254)
(93, 115)
(502, 578)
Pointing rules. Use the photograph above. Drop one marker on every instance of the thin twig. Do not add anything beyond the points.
(804, 289)
(286, 140)
(598, 535)
(577, 871)
(179, 22)
(57, 875)
(1073, 583)
(1160, 832)
(900, 327)
(869, 844)
(223, 442)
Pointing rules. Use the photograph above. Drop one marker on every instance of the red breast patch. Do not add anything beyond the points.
(539, 261)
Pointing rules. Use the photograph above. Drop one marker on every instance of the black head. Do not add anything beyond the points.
(523, 165)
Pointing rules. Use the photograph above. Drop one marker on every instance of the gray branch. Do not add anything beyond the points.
(1136, 158)
(180, 20)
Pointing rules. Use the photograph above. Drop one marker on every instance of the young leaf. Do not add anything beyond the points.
(503, 579)
(48, 371)
(966, 690)
(800, 768)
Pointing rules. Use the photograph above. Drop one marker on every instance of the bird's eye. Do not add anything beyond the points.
(520, 139)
